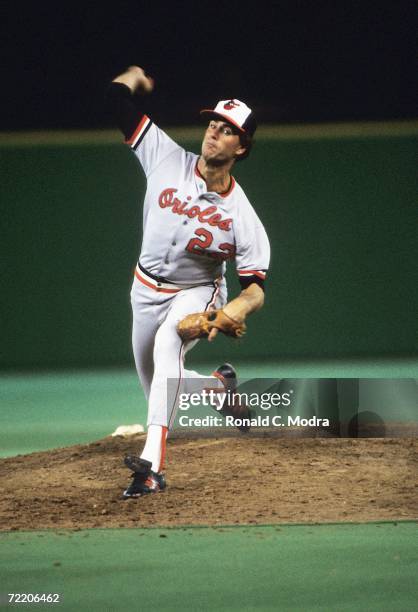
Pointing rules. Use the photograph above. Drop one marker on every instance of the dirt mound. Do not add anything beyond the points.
(242, 479)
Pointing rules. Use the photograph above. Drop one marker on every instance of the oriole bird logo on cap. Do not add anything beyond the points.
(230, 105)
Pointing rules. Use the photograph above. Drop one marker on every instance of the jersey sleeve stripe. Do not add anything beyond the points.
(260, 273)
(143, 127)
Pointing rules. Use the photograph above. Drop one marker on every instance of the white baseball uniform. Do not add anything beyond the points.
(188, 235)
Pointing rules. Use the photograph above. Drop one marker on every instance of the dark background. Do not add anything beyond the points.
(291, 60)
(340, 209)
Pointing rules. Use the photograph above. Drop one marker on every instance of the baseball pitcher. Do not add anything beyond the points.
(196, 218)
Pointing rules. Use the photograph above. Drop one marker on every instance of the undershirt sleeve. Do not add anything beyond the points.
(122, 106)
(246, 281)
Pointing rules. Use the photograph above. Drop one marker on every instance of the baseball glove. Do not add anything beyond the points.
(200, 324)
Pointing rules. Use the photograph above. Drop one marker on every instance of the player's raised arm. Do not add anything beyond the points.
(120, 101)
(149, 143)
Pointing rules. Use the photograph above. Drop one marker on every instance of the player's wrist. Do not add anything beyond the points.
(236, 311)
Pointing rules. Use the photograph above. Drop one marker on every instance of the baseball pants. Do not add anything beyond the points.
(158, 350)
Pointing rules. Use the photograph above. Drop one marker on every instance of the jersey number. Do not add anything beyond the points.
(199, 246)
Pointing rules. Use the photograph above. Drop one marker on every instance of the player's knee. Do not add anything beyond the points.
(168, 350)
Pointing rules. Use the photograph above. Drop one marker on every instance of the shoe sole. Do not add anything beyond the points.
(136, 495)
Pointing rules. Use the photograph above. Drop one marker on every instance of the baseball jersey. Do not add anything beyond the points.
(189, 233)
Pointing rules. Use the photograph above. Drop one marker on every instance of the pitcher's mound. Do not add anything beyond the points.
(215, 481)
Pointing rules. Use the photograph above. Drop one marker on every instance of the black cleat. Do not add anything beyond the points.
(227, 375)
(144, 480)
(138, 465)
(232, 405)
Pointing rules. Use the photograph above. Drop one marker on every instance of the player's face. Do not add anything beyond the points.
(220, 143)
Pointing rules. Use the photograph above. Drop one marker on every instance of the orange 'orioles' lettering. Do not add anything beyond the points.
(167, 199)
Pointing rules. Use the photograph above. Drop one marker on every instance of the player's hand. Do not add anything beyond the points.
(145, 83)
(233, 310)
(136, 79)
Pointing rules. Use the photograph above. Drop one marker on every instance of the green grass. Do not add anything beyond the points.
(56, 409)
(350, 568)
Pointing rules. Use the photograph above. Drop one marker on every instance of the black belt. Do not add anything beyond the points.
(162, 279)
(159, 279)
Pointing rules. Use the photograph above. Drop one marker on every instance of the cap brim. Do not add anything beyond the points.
(211, 113)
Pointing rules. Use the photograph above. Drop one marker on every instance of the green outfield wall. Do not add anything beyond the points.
(338, 202)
